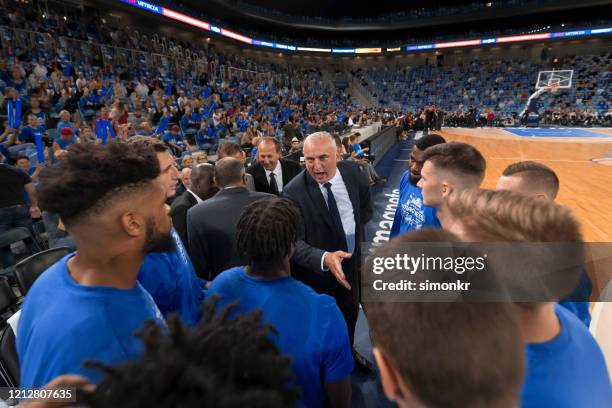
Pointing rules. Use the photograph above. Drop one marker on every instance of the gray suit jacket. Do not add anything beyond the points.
(211, 230)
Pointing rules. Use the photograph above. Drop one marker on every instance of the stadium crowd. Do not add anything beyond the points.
(495, 92)
(241, 275)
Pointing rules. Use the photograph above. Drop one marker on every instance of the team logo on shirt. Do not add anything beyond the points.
(179, 247)
(412, 211)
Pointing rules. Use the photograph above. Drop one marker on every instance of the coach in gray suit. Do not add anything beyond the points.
(211, 224)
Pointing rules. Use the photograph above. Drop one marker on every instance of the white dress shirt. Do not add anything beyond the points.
(278, 174)
(345, 208)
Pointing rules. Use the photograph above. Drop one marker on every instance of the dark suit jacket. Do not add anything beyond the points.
(317, 233)
(178, 212)
(211, 228)
(262, 184)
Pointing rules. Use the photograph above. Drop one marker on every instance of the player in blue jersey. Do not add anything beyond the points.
(540, 181)
(170, 277)
(411, 213)
(565, 365)
(89, 304)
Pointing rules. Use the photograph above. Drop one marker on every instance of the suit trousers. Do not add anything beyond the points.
(349, 306)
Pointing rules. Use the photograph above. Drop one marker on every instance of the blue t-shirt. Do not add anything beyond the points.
(63, 324)
(577, 302)
(411, 214)
(28, 133)
(171, 280)
(310, 327)
(568, 371)
(64, 144)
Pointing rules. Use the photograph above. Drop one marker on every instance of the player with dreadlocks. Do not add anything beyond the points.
(310, 327)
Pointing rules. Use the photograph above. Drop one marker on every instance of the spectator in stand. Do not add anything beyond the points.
(187, 162)
(35, 109)
(24, 164)
(14, 211)
(174, 140)
(205, 138)
(67, 138)
(289, 133)
(65, 122)
(200, 157)
(310, 327)
(116, 214)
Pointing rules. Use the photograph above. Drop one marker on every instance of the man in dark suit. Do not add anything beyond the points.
(334, 201)
(201, 188)
(211, 225)
(271, 173)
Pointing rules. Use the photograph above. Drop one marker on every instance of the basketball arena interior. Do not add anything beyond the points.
(262, 203)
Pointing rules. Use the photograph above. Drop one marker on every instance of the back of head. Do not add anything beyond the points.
(534, 178)
(183, 366)
(266, 232)
(90, 178)
(228, 149)
(228, 171)
(448, 354)
(429, 140)
(143, 144)
(505, 216)
(546, 256)
(459, 159)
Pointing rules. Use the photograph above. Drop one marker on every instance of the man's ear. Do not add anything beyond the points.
(447, 188)
(133, 224)
(389, 377)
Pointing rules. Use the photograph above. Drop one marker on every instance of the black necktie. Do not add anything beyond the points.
(273, 185)
(335, 214)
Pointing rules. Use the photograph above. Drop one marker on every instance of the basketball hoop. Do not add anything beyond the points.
(555, 80)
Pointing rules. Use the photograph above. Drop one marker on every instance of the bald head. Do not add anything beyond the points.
(229, 172)
(320, 156)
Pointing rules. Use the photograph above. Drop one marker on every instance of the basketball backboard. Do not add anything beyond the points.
(557, 79)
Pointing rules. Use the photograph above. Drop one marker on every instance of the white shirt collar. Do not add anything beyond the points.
(198, 199)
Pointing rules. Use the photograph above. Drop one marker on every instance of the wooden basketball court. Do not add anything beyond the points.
(584, 167)
(586, 186)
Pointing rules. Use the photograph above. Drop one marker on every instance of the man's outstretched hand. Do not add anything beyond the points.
(333, 262)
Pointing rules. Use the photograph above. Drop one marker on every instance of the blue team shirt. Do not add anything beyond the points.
(28, 133)
(310, 327)
(64, 144)
(171, 280)
(411, 214)
(63, 324)
(577, 302)
(568, 371)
